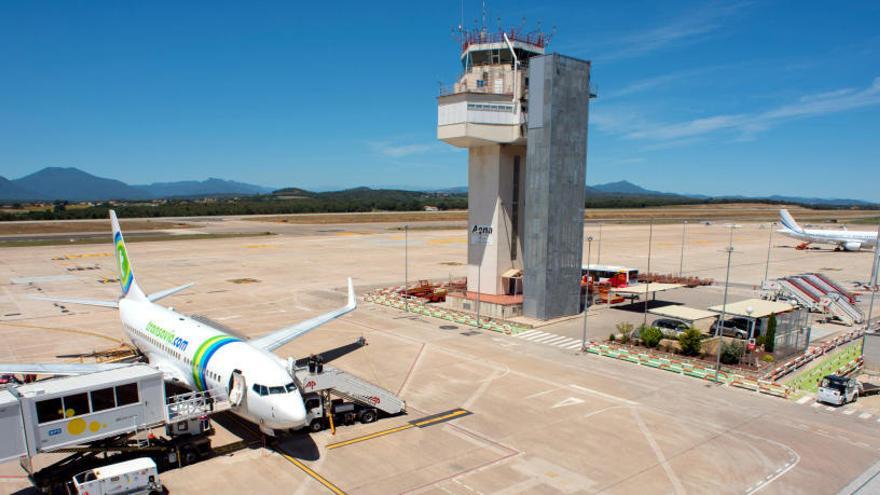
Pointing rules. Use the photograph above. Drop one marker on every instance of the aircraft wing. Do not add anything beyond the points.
(71, 300)
(280, 337)
(58, 368)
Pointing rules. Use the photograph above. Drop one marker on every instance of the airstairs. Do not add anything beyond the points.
(348, 386)
(819, 294)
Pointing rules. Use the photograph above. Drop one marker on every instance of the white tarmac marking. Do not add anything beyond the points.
(548, 338)
(677, 487)
(555, 341)
(566, 342)
(525, 334)
(571, 401)
(865, 415)
(539, 335)
(573, 346)
(793, 461)
(603, 395)
(804, 399)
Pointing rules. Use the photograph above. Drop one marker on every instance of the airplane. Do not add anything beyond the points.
(848, 240)
(198, 356)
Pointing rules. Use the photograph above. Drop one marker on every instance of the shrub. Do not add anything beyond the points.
(770, 336)
(650, 336)
(768, 358)
(691, 342)
(732, 353)
(625, 330)
(612, 337)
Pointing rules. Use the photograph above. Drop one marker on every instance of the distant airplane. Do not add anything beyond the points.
(848, 240)
(195, 354)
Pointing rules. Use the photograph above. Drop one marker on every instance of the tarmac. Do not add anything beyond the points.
(535, 418)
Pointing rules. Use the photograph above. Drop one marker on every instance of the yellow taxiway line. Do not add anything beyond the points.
(419, 423)
(317, 477)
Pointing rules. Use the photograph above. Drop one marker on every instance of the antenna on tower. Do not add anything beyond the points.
(483, 7)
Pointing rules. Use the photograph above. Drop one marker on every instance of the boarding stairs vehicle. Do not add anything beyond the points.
(190, 405)
(318, 382)
(818, 293)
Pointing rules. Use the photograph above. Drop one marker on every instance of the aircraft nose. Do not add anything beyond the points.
(291, 411)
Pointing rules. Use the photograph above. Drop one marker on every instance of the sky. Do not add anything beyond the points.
(748, 98)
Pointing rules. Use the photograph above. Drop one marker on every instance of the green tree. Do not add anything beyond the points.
(770, 336)
(625, 330)
(691, 342)
(650, 336)
(732, 353)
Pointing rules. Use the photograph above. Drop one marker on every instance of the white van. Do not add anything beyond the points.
(137, 476)
(839, 390)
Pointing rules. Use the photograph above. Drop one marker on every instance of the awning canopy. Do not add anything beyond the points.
(512, 273)
(683, 313)
(759, 308)
(644, 289)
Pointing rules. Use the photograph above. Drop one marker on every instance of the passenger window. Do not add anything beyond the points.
(126, 394)
(76, 405)
(103, 399)
(49, 410)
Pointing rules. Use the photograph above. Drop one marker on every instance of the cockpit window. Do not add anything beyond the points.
(260, 389)
(276, 390)
(290, 387)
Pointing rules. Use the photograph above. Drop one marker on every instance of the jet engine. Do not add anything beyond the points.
(852, 246)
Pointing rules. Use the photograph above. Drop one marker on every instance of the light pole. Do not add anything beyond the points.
(650, 242)
(684, 226)
(587, 297)
(769, 245)
(720, 323)
(599, 248)
(406, 268)
(873, 289)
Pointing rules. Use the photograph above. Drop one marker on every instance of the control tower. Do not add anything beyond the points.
(526, 170)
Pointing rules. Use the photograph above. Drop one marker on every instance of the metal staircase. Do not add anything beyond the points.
(191, 405)
(350, 387)
(818, 293)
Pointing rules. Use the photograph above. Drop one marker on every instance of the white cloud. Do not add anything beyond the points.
(393, 150)
(632, 125)
(688, 28)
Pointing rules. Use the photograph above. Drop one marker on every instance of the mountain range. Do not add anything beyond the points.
(72, 184)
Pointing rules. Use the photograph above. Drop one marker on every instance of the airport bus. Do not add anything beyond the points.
(617, 276)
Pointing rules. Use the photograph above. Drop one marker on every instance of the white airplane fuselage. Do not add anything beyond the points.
(201, 357)
(849, 240)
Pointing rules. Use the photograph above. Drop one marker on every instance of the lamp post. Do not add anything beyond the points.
(406, 268)
(720, 323)
(587, 296)
(769, 245)
(873, 290)
(650, 242)
(599, 248)
(684, 226)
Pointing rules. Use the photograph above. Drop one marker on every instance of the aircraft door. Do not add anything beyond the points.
(237, 388)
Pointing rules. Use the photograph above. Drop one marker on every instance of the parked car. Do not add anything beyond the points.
(670, 326)
(839, 390)
(737, 327)
(8, 380)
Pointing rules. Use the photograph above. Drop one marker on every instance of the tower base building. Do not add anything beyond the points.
(523, 117)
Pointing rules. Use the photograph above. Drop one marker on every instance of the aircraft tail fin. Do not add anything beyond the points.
(130, 288)
(789, 222)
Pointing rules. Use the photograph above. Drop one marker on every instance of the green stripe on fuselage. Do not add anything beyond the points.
(199, 355)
